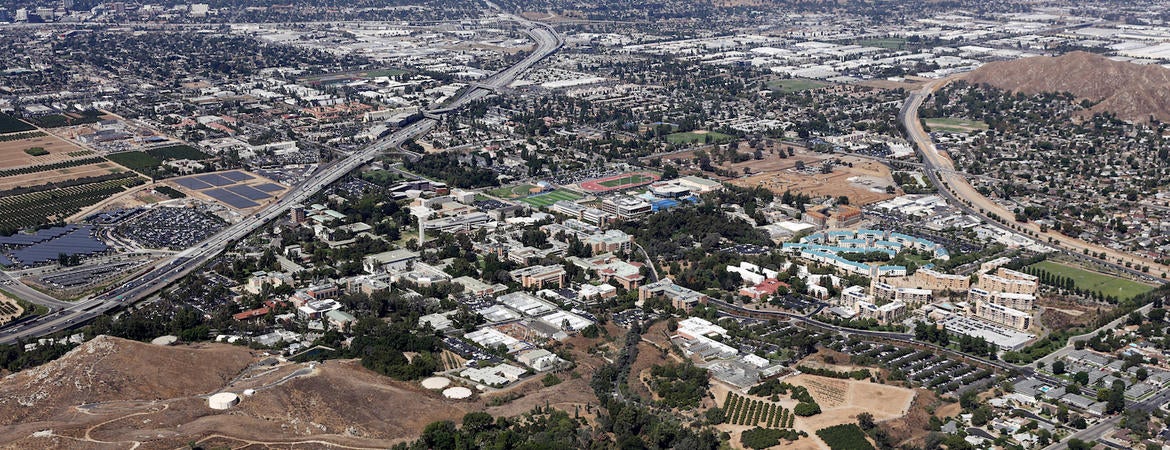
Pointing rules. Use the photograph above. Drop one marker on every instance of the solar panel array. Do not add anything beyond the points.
(48, 245)
(269, 187)
(225, 187)
(248, 192)
(20, 239)
(226, 196)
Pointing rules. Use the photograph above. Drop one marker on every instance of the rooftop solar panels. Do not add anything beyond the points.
(215, 179)
(231, 199)
(236, 176)
(192, 183)
(248, 192)
(270, 187)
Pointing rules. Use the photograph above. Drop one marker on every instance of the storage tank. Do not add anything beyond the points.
(223, 400)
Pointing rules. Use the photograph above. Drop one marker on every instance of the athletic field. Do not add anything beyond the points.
(618, 182)
(546, 199)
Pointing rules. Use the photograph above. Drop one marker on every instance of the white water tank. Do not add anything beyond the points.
(223, 400)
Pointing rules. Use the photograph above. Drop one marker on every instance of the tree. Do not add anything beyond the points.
(865, 421)
(1058, 367)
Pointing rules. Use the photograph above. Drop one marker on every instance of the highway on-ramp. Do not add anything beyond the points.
(67, 315)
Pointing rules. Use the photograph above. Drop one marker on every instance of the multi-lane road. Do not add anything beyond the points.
(66, 315)
(954, 186)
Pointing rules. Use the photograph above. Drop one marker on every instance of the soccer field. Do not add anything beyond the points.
(1093, 281)
(544, 200)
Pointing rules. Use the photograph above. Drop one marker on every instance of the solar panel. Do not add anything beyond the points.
(192, 183)
(270, 187)
(19, 239)
(79, 241)
(229, 198)
(249, 192)
(236, 176)
(215, 179)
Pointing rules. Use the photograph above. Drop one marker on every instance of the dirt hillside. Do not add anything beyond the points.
(1131, 91)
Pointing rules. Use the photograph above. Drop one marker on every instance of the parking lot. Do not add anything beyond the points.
(926, 369)
(91, 276)
(171, 228)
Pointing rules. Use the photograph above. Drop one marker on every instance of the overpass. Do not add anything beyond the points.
(168, 271)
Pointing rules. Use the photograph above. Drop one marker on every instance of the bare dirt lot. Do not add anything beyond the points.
(12, 153)
(864, 183)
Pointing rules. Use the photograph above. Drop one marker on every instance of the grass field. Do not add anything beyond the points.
(631, 179)
(955, 125)
(544, 200)
(1093, 281)
(701, 137)
(385, 73)
(511, 192)
(790, 85)
(890, 43)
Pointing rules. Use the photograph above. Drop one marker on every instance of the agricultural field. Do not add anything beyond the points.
(1093, 281)
(9, 124)
(180, 151)
(790, 85)
(618, 182)
(140, 162)
(547, 199)
(46, 206)
(738, 410)
(698, 137)
(69, 119)
(513, 192)
(14, 150)
(845, 437)
(952, 125)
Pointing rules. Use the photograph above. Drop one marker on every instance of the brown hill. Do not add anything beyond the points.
(1131, 91)
(115, 393)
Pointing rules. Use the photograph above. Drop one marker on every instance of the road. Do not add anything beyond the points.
(954, 187)
(67, 315)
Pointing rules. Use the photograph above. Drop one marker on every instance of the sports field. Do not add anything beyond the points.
(1093, 281)
(698, 137)
(548, 198)
(617, 182)
(790, 85)
(511, 192)
(636, 178)
(952, 125)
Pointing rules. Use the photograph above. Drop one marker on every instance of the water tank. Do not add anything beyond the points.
(223, 400)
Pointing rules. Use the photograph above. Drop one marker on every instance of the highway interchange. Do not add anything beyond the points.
(66, 314)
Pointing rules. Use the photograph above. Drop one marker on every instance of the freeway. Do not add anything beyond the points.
(67, 315)
(954, 186)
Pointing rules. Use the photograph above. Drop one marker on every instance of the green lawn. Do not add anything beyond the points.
(1093, 281)
(384, 73)
(629, 179)
(790, 85)
(953, 125)
(693, 137)
(544, 200)
(512, 192)
(890, 43)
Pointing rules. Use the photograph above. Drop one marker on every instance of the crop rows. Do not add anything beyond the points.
(20, 136)
(54, 166)
(27, 210)
(738, 410)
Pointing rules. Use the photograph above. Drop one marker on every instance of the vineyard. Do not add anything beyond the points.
(181, 151)
(739, 410)
(35, 208)
(54, 166)
(10, 124)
